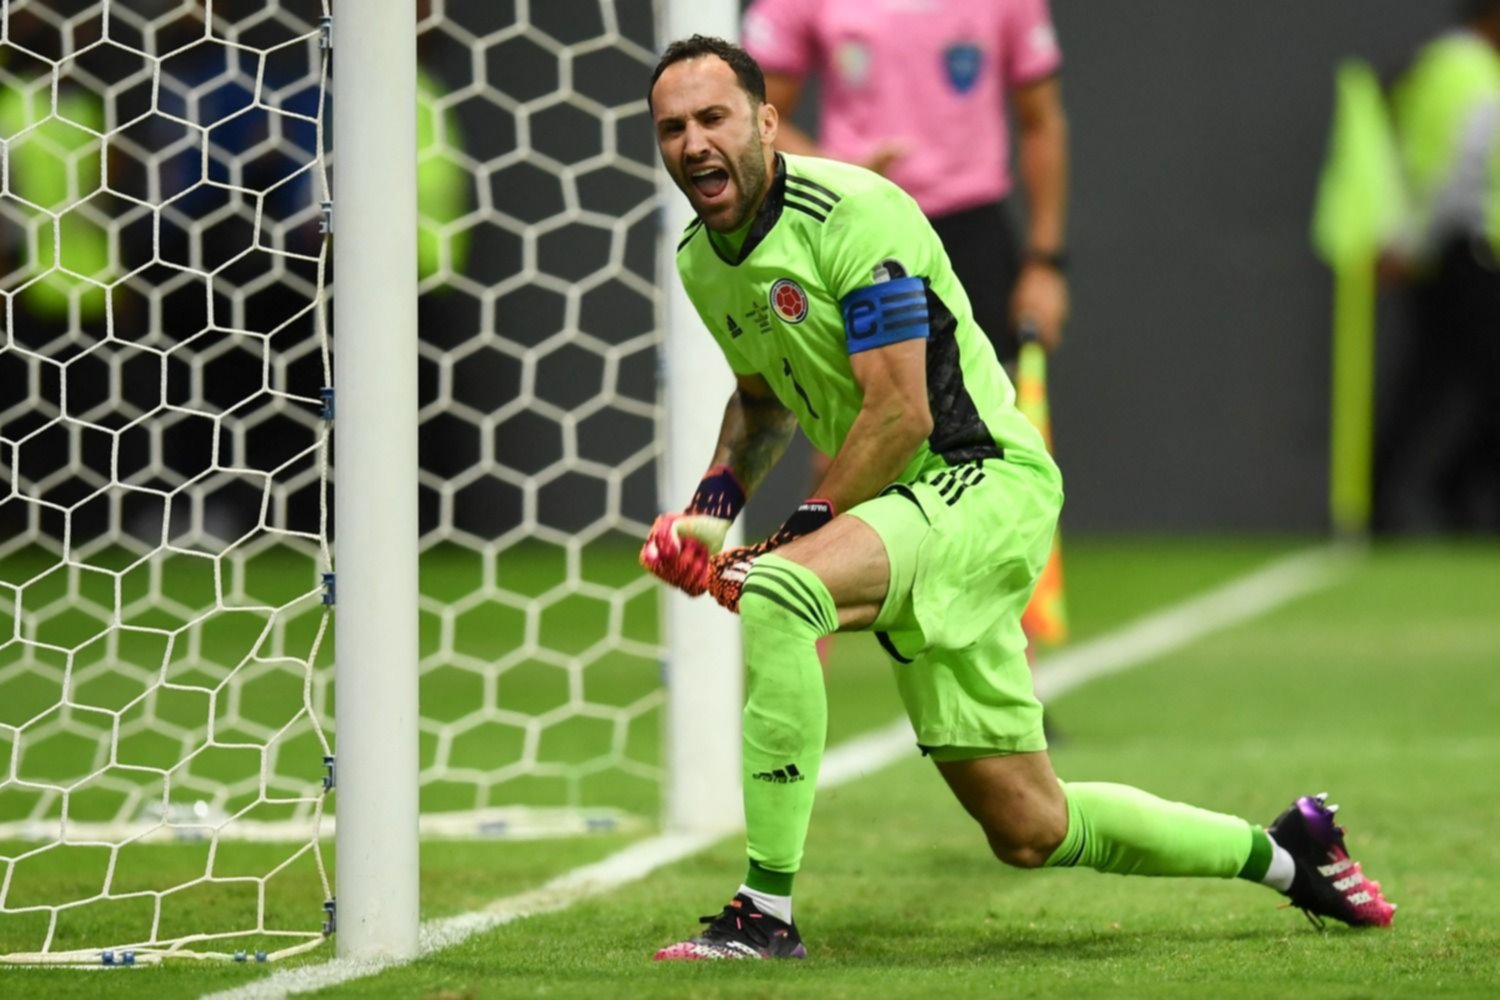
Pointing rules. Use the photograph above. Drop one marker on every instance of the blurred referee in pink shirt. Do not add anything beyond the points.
(916, 90)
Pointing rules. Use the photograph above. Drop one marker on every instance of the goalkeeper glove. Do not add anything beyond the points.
(679, 546)
(728, 569)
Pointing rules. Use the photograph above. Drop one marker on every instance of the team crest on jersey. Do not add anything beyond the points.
(789, 300)
(963, 61)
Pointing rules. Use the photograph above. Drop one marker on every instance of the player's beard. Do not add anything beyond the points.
(750, 181)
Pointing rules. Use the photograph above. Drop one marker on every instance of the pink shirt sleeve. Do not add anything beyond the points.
(1031, 51)
(779, 35)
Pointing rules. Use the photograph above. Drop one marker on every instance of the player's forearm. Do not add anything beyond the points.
(1043, 159)
(881, 442)
(753, 437)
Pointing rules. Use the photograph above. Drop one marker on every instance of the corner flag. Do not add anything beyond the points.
(1360, 209)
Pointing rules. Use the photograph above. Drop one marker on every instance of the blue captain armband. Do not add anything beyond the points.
(885, 313)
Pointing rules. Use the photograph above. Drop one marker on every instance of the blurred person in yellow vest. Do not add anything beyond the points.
(53, 158)
(1437, 465)
(442, 184)
(54, 166)
(443, 181)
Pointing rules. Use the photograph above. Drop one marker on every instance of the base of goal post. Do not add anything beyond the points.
(186, 949)
(202, 823)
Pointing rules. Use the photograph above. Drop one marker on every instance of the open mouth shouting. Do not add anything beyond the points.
(710, 182)
(714, 192)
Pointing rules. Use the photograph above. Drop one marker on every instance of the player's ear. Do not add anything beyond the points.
(769, 122)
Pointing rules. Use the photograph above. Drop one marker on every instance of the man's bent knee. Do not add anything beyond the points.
(1025, 851)
(1016, 800)
(1026, 837)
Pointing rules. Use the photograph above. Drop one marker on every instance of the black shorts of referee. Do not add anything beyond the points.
(982, 244)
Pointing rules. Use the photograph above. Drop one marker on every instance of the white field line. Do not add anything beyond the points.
(1156, 635)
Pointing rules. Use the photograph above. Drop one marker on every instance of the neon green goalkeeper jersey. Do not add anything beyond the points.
(839, 260)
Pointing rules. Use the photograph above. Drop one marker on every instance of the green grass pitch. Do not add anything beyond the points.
(1381, 689)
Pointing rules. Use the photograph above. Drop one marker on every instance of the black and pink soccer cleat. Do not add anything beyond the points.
(739, 931)
(1328, 883)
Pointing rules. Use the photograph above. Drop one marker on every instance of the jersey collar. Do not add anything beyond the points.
(765, 218)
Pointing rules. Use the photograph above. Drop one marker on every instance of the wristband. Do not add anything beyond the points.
(1056, 260)
(719, 494)
(809, 516)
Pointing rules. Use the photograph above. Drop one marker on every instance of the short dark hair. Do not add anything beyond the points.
(746, 69)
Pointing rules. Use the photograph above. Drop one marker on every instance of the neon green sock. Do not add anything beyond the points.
(784, 611)
(1125, 831)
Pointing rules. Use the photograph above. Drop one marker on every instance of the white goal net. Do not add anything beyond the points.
(167, 593)
(541, 688)
(162, 476)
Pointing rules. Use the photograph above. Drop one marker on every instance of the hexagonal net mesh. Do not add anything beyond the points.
(162, 478)
(165, 663)
(541, 682)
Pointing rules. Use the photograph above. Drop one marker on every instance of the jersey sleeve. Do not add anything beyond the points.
(1030, 48)
(868, 232)
(878, 252)
(779, 35)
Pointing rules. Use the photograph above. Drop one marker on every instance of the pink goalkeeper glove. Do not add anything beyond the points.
(679, 546)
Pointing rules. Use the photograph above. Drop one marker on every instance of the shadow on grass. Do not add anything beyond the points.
(919, 947)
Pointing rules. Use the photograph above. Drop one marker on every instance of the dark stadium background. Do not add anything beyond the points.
(1191, 394)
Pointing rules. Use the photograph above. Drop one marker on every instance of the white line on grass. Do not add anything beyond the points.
(1153, 636)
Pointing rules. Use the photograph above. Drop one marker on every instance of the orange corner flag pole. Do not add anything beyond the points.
(1046, 617)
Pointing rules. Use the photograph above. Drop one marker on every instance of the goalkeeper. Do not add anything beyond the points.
(838, 311)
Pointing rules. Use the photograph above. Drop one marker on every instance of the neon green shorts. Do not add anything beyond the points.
(966, 546)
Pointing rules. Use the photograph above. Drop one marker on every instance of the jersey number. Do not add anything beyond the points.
(786, 369)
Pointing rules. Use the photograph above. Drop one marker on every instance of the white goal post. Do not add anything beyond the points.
(376, 184)
(375, 553)
(704, 673)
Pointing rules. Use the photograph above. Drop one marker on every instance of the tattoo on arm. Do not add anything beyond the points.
(753, 437)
